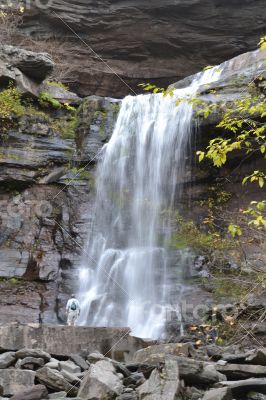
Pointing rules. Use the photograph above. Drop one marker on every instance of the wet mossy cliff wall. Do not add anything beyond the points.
(48, 154)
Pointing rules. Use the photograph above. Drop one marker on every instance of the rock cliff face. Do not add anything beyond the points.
(158, 41)
(46, 195)
(47, 177)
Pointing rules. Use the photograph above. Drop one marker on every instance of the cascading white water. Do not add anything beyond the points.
(125, 276)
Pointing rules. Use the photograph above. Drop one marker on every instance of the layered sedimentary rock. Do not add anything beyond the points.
(45, 203)
(47, 192)
(144, 41)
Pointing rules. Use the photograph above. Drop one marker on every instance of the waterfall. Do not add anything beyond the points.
(125, 277)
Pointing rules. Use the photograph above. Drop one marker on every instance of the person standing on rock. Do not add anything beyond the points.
(72, 310)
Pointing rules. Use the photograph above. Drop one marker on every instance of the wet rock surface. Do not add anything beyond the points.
(46, 204)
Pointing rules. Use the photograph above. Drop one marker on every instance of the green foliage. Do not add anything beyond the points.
(66, 126)
(189, 235)
(10, 103)
(102, 114)
(255, 211)
(234, 230)
(147, 87)
(230, 287)
(211, 67)
(262, 43)
(244, 120)
(115, 108)
(46, 100)
(11, 107)
(256, 176)
(11, 281)
(59, 85)
(14, 281)
(82, 174)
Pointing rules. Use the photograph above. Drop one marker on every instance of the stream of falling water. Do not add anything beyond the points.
(125, 278)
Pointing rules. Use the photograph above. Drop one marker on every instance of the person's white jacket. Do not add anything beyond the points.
(69, 304)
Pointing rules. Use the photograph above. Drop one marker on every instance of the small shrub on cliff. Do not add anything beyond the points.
(244, 124)
(65, 126)
(57, 84)
(189, 235)
(10, 103)
(46, 100)
(11, 107)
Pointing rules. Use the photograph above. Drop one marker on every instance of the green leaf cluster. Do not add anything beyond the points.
(256, 212)
(244, 120)
(11, 108)
(147, 87)
(46, 100)
(11, 103)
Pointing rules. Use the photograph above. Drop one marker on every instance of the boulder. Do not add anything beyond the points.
(100, 382)
(235, 358)
(34, 65)
(53, 176)
(71, 378)
(35, 353)
(95, 357)
(9, 74)
(255, 396)
(139, 367)
(259, 358)
(121, 368)
(170, 348)
(31, 363)
(37, 392)
(53, 364)
(54, 380)
(193, 372)
(239, 371)
(161, 385)
(209, 374)
(58, 395)
(15, 381)
(135, 379)
(7, 359)
(127, 396)
(78, 360)
(59, 93)
(244, 386)
(218, 394)
(69, 366)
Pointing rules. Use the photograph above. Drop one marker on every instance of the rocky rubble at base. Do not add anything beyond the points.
(171, 371)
